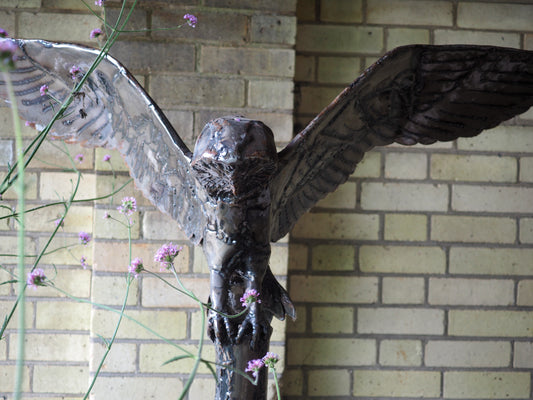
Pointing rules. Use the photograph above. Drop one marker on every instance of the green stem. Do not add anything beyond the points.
(276, 383)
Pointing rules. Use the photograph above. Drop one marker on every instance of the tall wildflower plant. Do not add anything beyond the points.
(36, 277)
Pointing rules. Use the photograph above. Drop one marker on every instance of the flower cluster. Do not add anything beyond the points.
(269, 360)
(43, 90)
(96, 33)
(107, 158)
(166, 255)
(191, 20)
(7, 49)
(128, 206)
(83, 262)
(249, 297)
(36, 278)
(74, 72)
(84, 237)
(136, 267)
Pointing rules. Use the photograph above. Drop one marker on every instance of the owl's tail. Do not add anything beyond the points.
(275, 298)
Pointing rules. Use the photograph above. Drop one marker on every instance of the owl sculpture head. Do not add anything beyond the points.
(234, 157)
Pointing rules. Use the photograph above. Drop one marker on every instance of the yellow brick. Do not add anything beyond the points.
(5, 288)
(525, 293)
(486, 38)
(7, 378)
(142, 387)
(404, 36)
(400, 353)
(6, 307)
(473, 168)
(159, 226)
(402, 259)
(169, 324)
(329, 382)
(408, 227)
(52, 347)
(45, 379)
(369, 167)
(305, 69)
(343, 289)
(333, 257)
(504, 138)
(494, 16)
(68, 251)
(78, 219)
(473, 229)
(278, 259)
(110, 290)
(121, 358)
(326, 351)
(202, 389)
(339, 39)
(372, 383)
(493, 385)
(114, 256)
(404, 196)
(300, 325)
(152, 356)
(505, 199)
(56, 154)
(271, 94)
(56, 27)
(76, 282)
(116, 162)
(490, 323)
(305, 10)
(343, 197)
(332, 320)
(341, 70)
(297, 257)
(408, 321)
(60, 186)
(405, 165)
(115, 229)
(8, 245)
(30, 187)
(492, 261)
(63, 315)
(69, 5)
(403, 290)
(410, 12)
(523, 355)
(469, 354)
(337, 226)
(456, 291)
(107, 185)
(526, 169)
(200, 262)
(341, 10)
(157, 294)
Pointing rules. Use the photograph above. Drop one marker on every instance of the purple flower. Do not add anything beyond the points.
(136, 267)
(99, 3)
(3, 33)
(270, 359)
(43, 90)
(59, 222)
(107, 158)
(95, 33)
(254, 366)
(128, 206)
(106, 215)
(191, 20)
(79, 157)
(84, 238)
(83, 261)
(36, 278)
(74, 71)
(7, 49)
(249, 297)
(166, 255)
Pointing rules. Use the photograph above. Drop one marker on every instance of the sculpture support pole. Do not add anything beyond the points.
(233, 386)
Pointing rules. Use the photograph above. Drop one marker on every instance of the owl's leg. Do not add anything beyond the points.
(219, 325)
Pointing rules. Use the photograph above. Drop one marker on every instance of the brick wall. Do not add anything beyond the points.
(238, 60)
(414, 279)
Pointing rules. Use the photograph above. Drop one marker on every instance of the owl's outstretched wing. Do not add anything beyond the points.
(414, 94)
(113, 111)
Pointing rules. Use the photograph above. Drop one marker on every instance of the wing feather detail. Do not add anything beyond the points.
(118, 114)
(413, 94)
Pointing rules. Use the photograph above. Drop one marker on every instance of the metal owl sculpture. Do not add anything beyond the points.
(235, 193)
